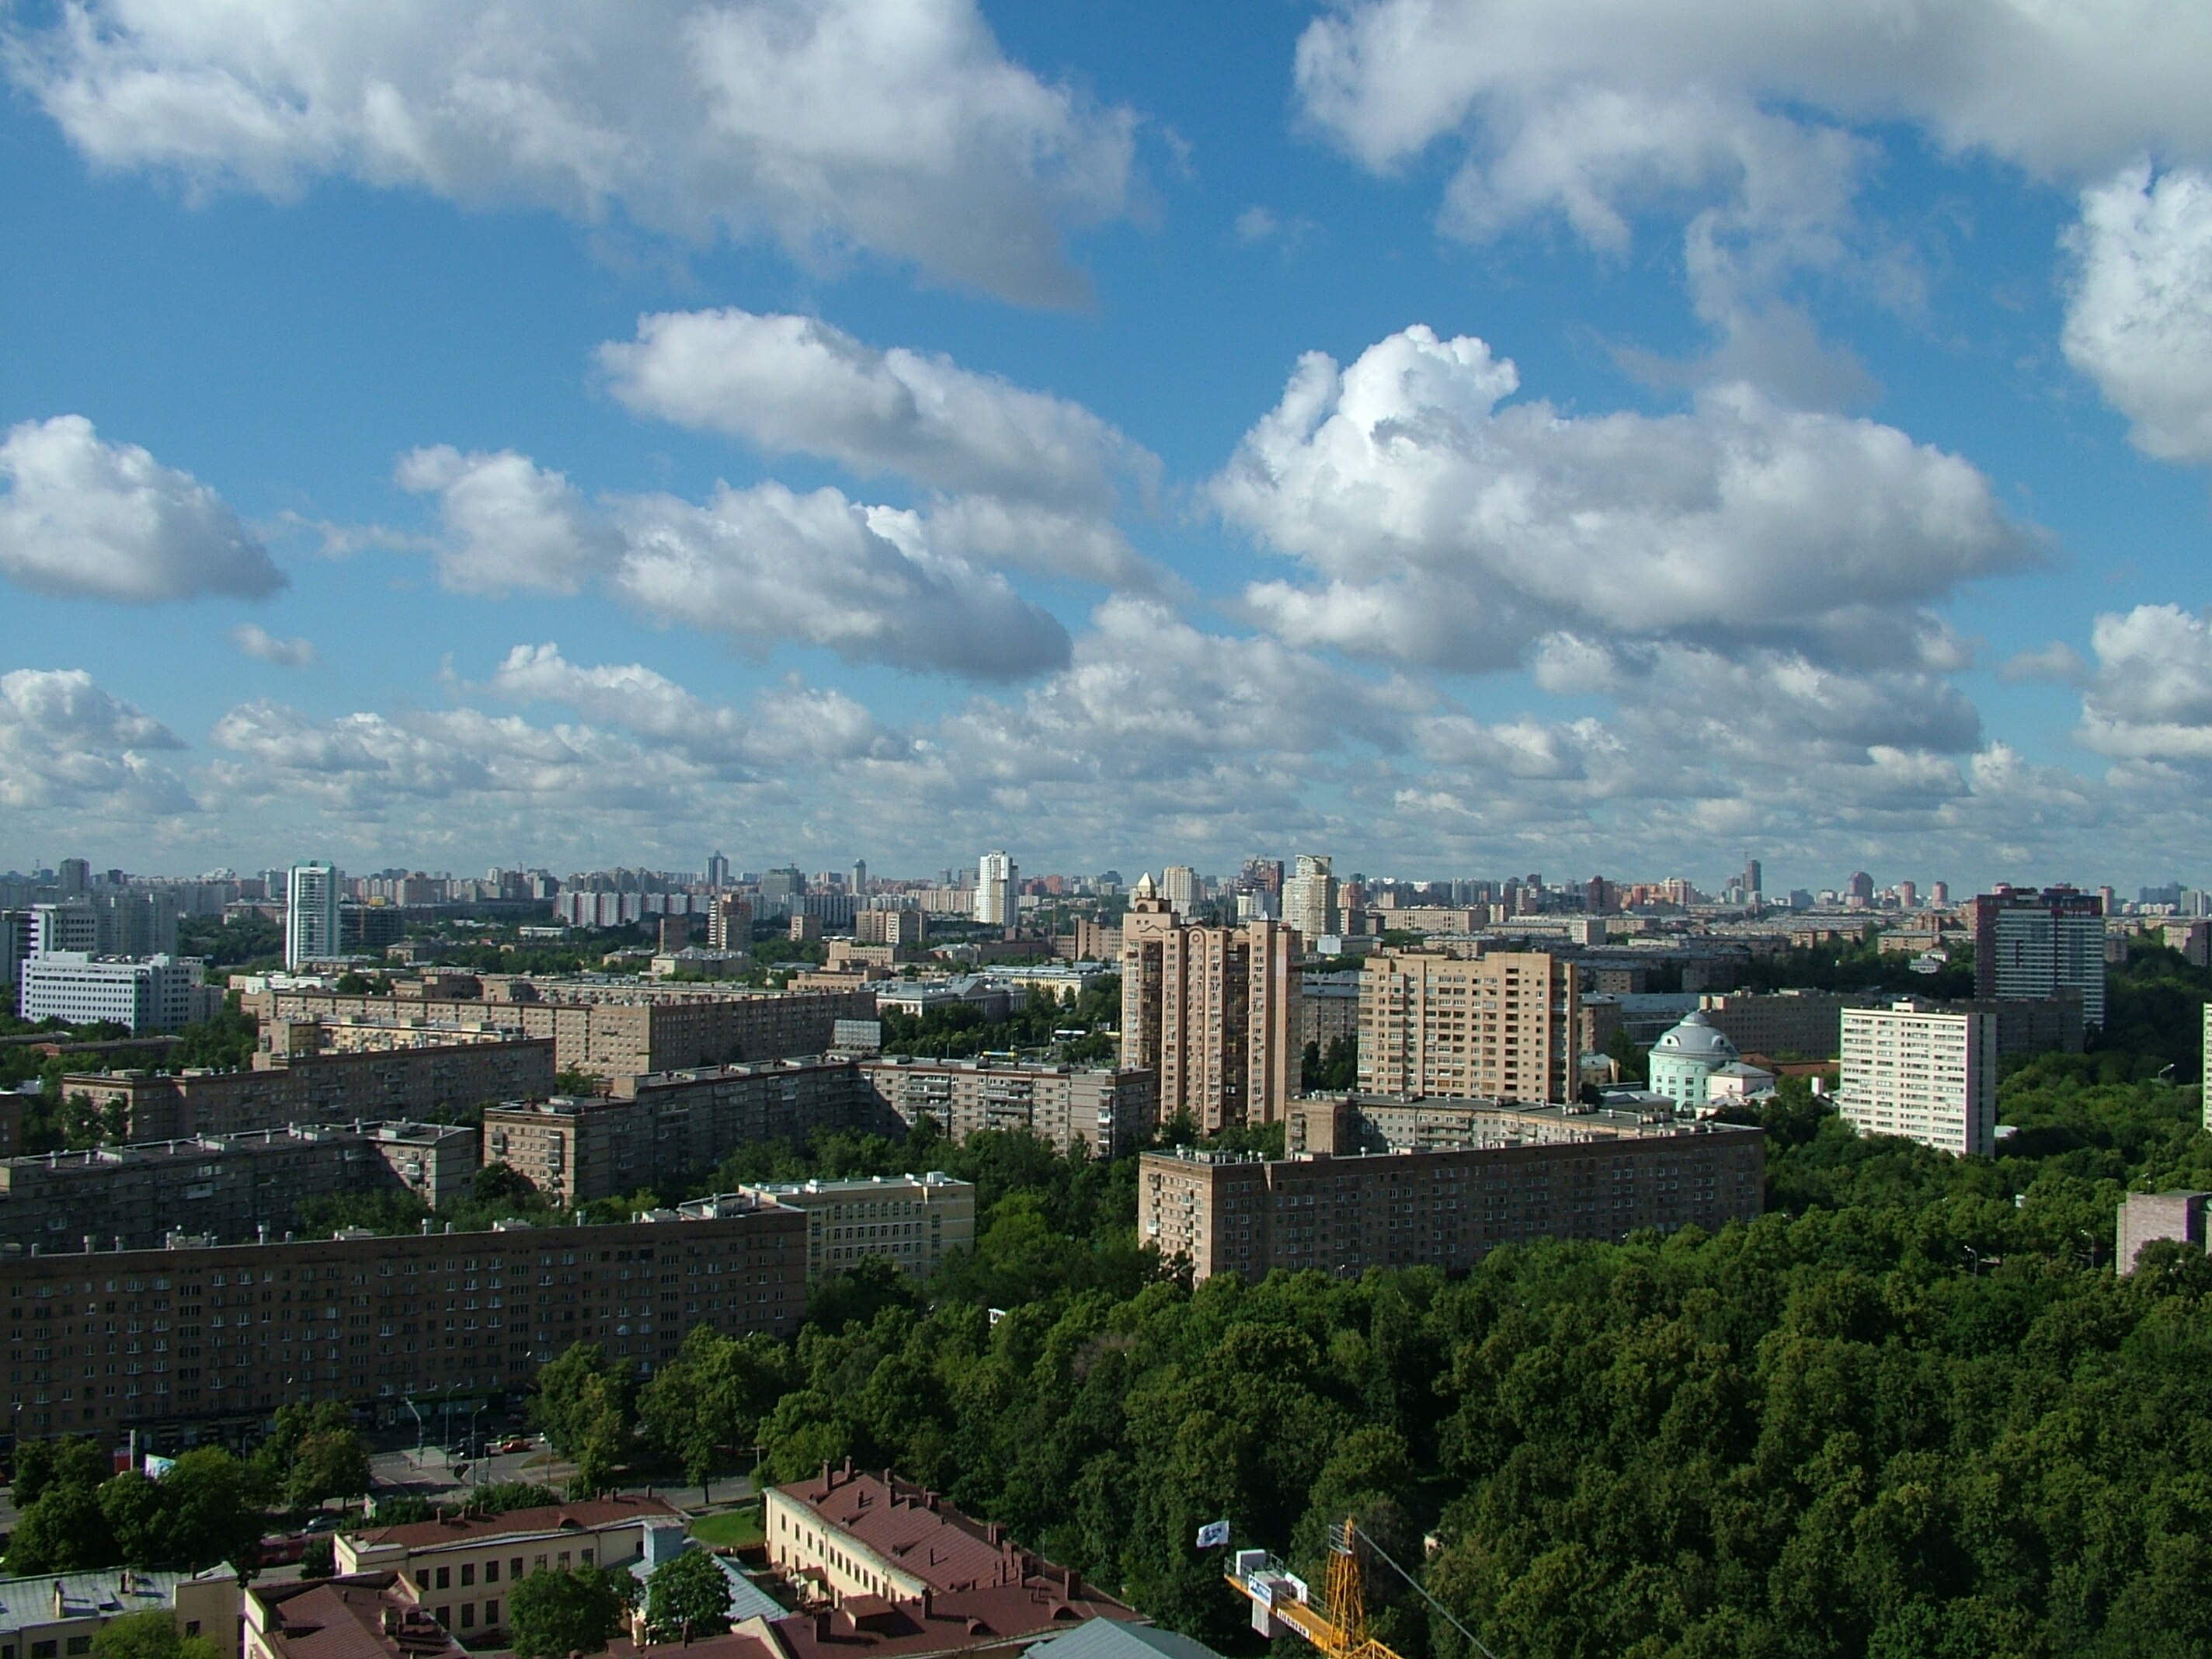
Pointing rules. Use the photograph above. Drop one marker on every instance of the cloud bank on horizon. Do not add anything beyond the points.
(1619, 439)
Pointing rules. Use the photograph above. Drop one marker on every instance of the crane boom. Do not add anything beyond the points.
(1281, 1600)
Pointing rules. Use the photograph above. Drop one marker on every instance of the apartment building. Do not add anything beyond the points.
(140, 993)
(1223, 1213)
(909, 1220)
(1105, 1112)
(221, 1188)
(1810, 1022)
(1346, 1125)
(207, 1339)
(1912, 1070)
(280, 1089)
(2030, 944)
(460, 1568)
(1328, 1009)
(893, 927)
(1503, 1025)
(613, 1031)
(2148, 1217)
(670, 1126)
(1212, 1011)
(47, 1614)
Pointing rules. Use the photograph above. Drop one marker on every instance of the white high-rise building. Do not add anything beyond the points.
(1309, 900)
(310, 913)
(1179, 887)
(1910, 1071)
(996, 903)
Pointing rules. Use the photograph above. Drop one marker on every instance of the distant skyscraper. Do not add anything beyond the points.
(1908, 895)
(859, 877)
(1939, 894)
(717, 870)
(310, 913)
(1179, 887)
(75, 878)
(2029, 945)
(1859, 889)
(1309, 900)
(996, 904)
(1753, 884)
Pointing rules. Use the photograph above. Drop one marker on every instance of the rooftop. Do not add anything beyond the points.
(461, 1529)
(359, 1616)
(109, 1595)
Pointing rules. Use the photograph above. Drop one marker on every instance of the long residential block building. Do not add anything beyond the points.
(140, 993)
(283, 1088)
(1213, 1012)
(1503, 1025)
(1223, 1213)
(1345, 1126)
(667, 1126)
(1106, 1112)
(1914, 1071)
(613, 1031)
(221, 1188)
(202, 1340)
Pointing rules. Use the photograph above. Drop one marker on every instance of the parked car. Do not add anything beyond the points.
(520, 1443)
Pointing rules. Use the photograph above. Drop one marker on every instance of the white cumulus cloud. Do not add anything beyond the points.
(67, 745)
(1441, 525)
(795, 385)
(2150, 696)
(893, 126)
(2139, 319)
(258, 642)
(759, 565)
(89, 519)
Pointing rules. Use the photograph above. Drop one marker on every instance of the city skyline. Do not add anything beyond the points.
(1428, 433)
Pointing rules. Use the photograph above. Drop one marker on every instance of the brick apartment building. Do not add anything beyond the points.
(321, 1088)
(611, 1031)
(206, 1340)
(1224, 1213)
(1503, 1025)
(1104, 1111)
(221, 1188)
(672, 1125)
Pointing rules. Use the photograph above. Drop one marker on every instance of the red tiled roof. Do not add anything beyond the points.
(868, 1627)
(914, 1529)
(362, 1616)
(459, 1528)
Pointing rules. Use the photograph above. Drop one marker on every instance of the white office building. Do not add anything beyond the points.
(997, 903)
(1309, 900)
(1910, 1071)
(310, 913)
(150, 993)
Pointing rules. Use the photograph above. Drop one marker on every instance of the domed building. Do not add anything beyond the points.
(1683, 1061)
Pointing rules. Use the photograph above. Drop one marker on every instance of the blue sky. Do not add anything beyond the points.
(444, 435)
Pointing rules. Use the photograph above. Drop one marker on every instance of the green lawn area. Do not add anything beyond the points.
(731, 1527)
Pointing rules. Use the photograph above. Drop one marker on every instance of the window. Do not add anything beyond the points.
(587, 1556)
(491, 1572)
(80, 1644)
(445, 1580)
(468, 1575)
(444, 1616)
(468, 1615)
(44, 1649)
(514, 1569)
(491, 1612)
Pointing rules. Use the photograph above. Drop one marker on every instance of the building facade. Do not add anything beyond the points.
(997, 903)
(667, 1127)
(369, 1086)
(1213, 1012)
(313, 901)
(1912, 1070)
(188, 1342)
(1328, 1008)
(2031, 945)
(1504, 1025)
(1222, 1212)
(142, 994)
(48, 1614)
(1104, 1112)
(1686, 1057)
(910, 1221)
(221, 1188)
(1309, 900)
(2149, 1218)
(609, 1030)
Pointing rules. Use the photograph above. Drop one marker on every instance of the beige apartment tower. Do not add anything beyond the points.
(1501, 1026)
(1212, 1011)
(1914, 1071)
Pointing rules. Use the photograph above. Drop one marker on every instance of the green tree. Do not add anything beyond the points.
(707, 1401)
(150, 1635)
(687, 1597)
(575, 1392)
(66, 1530)
(312, 1453)
(72, 1460)
(319, 1559)
(553, 1615)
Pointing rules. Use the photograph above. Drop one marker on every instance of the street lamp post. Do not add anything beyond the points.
(409, 1401)
(475, 1452)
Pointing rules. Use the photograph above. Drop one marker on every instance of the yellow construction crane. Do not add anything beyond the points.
(1281, 1600)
